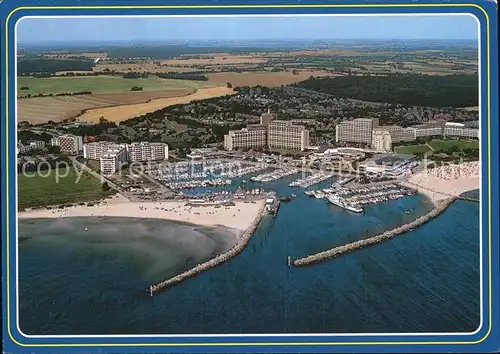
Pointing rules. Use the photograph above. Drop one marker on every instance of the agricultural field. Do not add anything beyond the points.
(141, 67)
(262, 78)
(441, 145)
(99, 84)
(217, 59)
(38, 110)
(124, 112)
(38, 191)
(412, 149)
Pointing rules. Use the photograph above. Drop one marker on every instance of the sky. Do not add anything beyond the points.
(64, 30)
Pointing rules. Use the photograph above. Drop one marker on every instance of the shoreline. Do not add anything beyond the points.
(240, 245)
(444, 182)
(238, 217)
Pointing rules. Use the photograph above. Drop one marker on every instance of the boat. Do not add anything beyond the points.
(407, 212)
(310, 194)
(289, 261)
(285, 198)
(294, 195)
(340, 203)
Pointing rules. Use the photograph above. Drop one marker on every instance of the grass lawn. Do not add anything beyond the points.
(411, 149)
(40, 191)
(440, 145)
(100, 84)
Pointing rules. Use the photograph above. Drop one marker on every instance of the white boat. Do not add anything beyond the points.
(338, 202)
(289, 261)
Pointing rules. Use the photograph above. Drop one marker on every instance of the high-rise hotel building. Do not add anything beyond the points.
(284, 135)
(359, 130)
(146, 151)
(460, 130)
(112, 156)
(253, 136)
(70, 144)
(113, 159)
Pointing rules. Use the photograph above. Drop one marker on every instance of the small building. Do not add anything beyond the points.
(388, 165)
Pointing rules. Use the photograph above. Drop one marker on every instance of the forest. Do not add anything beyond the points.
(408, 90)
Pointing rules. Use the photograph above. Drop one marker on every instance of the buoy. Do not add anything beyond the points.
(86, 229)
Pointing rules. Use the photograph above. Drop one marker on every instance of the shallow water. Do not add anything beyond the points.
(77, 282)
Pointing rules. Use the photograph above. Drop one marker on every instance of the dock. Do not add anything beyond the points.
(354, 246)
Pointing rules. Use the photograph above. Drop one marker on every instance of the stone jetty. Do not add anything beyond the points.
(224, 257)
(354, 246)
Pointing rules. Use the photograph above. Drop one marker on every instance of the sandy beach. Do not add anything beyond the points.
(238, 217)
(445, 181)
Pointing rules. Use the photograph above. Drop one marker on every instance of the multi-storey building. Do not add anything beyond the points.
(159, 151)
(266, 118)
(139, 152)
(71, 144)
(146, 151)
(381, 139)
(431, 128)
(37, 145)
(452, 129)
(112, 160)
(399, 133)
(284, 135)
(359, 130)
(253, 136)
(94, 151)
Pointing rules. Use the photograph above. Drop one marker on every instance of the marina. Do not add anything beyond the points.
(275, 175)
(311, 180)
(354, 246)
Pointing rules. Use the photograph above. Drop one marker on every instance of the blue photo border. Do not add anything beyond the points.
(486, 339)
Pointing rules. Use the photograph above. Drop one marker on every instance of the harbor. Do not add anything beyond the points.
(311, 180)
(275, 175)
(354, 246)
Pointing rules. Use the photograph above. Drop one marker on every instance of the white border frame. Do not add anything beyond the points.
(409, 334)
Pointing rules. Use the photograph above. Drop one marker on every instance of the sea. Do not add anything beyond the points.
(90, 275)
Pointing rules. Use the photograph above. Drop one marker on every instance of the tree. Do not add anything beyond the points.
(105, 187)
(229, 85)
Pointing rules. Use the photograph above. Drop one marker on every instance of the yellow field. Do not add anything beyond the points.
(219, 58)
(124, 112)
(38, 110)
(141, 67)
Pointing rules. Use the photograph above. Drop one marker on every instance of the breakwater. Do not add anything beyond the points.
(354, 246)
(224, 257)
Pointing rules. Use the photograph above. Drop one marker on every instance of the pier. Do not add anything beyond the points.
(224, 257)
(354, 246)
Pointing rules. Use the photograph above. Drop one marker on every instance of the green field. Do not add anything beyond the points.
(100, 84)
(41, 191)
(412, 149)
(440, 145)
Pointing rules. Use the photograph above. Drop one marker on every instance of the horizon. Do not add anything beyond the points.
(94, 31)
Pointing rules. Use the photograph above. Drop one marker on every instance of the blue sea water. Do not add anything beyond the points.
(427, 280)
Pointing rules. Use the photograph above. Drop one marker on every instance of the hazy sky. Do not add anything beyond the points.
(53, 30)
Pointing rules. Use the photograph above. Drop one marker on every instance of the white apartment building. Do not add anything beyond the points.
(284, 135)
(399, 133)
(431, 128)
(140, 152)
(460, 130)
(359, 130)
(71, 144)
(146, 151)
(94, 151)
(112, 160)
(381, 140)
(253, 136)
